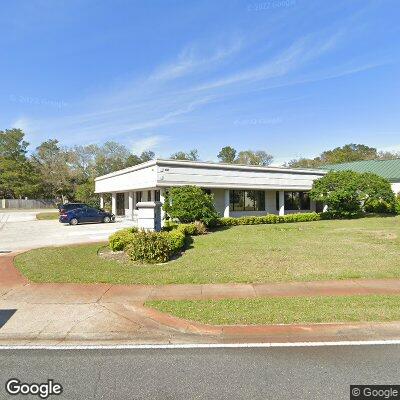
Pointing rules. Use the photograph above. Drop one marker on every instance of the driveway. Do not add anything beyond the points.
(19, 230)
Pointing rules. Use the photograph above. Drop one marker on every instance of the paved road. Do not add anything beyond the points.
(257, 373)
(19, 230)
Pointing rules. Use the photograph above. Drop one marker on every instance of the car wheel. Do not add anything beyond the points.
(106, 220)
(73, 221)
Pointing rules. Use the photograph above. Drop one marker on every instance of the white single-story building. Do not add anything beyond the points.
(238, 189)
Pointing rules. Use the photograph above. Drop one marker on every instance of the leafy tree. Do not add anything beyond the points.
(52, 162)
(189, 204)
(304, 163)
(347, 153)
(84, 193)
(250, 157)
(347, 192)
(147, 156)
(18, 177)
(110, 157)
(12, 144)
(227, 155)
(388, 155)
(192, 155)
(82, 162)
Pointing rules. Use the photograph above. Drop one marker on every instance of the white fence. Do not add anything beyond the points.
(27, 203)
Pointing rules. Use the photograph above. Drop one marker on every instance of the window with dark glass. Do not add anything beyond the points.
(277, 200)
(297, 201)
(157, 195)
(246, 200)
(138, 197)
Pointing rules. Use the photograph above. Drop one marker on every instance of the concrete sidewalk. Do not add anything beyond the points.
(104, 313)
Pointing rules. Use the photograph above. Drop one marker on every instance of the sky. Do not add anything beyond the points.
(291, 77)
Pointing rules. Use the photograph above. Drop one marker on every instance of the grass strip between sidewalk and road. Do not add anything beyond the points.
(47, 215)
(371, 308)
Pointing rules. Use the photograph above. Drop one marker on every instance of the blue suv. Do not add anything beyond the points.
(85, 214)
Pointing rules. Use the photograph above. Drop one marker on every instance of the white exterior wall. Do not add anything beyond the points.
(270, 202)
(219, 200)
(396, 187)
(234, 177)
(161, 174)
(128, 179)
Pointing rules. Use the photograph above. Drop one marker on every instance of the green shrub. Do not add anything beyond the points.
(176, 240)
(169, 225)
(397, 205)
(150, 247)
(348, 193)
(189, 204)
(380, 207)
(120, 239)
(341, 215)
(187, 229)
(300, 217)
(269, 219)
(201, 228)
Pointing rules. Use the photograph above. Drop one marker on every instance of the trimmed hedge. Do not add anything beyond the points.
(192, 229)
(269, 219)
(120, 239)
(176, 240)
(150, 247)
(342, 215)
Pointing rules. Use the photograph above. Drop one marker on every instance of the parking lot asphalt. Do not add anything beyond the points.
(19, 231)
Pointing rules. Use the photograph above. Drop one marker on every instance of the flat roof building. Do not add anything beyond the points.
(237, 189)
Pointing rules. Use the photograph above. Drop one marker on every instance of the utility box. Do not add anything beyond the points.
(149, 215)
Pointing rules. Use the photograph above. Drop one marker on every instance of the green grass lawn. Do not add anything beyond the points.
(47, 215)
(321, 250)
(284, 310)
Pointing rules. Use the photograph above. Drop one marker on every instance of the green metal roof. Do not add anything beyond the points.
(389, 169)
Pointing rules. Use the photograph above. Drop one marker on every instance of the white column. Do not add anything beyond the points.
(226, 203)
(325, 209)
(281, 202)
(130, 205)
(101, 200)
(114, 203)
(152, 195)
(162, 199)
(134, 200)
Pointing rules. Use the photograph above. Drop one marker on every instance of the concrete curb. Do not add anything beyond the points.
(310, 331)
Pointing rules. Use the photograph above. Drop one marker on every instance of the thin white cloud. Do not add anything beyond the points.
(147, 143)
(189, 62)
(22, 123)
(296, 55)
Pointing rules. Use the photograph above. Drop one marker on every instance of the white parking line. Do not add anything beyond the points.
(201, 346)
